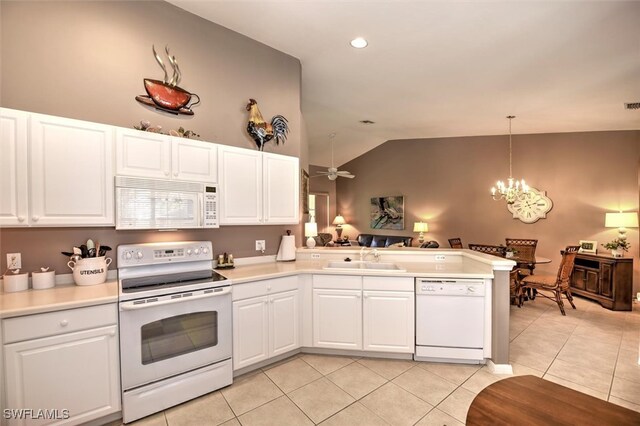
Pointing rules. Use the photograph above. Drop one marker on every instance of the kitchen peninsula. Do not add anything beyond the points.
(278, 310)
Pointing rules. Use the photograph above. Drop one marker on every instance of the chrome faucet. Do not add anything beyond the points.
(364, 253)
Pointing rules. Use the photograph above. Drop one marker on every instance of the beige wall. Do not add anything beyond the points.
(446, 182)
(87, 60)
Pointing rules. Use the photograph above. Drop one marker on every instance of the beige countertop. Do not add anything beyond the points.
(73, 296)
(243, 274)
(57, 298)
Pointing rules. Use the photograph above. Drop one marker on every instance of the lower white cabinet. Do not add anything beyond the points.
(337, 319)
(75, 375)
(266, 321)
(389, 322)
(374, 314)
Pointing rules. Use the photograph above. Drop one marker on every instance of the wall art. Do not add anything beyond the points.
(387, 212)
(261, 131)
(166, 95)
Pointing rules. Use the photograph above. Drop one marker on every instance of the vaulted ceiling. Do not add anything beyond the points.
(448, 68)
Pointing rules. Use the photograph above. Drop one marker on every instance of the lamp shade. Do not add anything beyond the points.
(621, 220)
(310, 229)
(339, 220)
(420, 227)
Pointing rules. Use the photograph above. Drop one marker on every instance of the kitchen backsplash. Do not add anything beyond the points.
(42, 246)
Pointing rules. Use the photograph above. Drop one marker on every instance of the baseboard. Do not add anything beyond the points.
(499, 368)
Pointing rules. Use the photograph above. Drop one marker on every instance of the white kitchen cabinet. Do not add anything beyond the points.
(388, 319)
(240, 186)
(143, 154)
(250, 331)
(374, 314)
(157, 156)
(281, 189)
(71, 172)
(266, 320)
(14, 192)
(77, 370)
(258, 188)
(194, 161)
(284, 322)
(337, 318)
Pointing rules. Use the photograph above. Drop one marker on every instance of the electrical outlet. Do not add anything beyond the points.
(14, 260)
(261, 245)
(439, 256)
(315, 255)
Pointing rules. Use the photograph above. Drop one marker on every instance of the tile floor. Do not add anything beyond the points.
(592, 350)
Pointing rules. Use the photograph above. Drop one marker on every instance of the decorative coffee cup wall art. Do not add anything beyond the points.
(166, 95)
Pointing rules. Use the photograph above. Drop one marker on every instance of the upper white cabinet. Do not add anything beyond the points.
(14, 192)
(70, 172)
(152, 155)
(281, 188)
(257, 188)
(54, 171)
(240, 186)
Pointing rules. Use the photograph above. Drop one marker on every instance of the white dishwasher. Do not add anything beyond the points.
(450, 320)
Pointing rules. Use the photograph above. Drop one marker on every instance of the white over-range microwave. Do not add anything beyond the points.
(165, 204)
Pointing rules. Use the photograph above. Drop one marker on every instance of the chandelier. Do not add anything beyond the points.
(513, 188)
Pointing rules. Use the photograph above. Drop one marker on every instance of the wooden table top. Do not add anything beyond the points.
(530, 400)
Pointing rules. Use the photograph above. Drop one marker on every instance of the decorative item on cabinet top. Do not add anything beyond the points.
(145, 126)
(166, 95)
(261, 131)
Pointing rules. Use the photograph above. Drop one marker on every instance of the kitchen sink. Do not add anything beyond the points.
(368, 266)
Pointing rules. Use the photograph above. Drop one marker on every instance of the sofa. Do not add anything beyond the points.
(371, 240)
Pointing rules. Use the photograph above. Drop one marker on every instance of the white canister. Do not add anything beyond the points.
(90, 270)
(16, 282)
(41, 280)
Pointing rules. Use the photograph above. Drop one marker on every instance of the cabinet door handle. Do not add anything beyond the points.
(64, 323)
(175, 174)
(272, 301)
(112, 333)
(359, 296)
(166, 173)
(35, 218)
(20, 218)
(268, 288)
(366, 296)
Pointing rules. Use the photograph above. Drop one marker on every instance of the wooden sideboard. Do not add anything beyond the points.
(605, 279)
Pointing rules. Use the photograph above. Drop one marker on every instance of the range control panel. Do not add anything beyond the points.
(159, 253)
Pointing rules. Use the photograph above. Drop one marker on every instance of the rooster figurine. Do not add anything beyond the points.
(261, 131)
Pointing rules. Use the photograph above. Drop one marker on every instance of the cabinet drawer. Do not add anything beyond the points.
(263, 287)
(339, 282)
(388, 283)
(59, 322)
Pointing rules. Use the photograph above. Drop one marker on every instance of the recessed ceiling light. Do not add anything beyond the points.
(359, 43)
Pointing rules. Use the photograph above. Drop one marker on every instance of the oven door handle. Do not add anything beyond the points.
(129, 306)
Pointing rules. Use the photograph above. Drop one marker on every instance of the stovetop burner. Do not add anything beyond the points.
(170, 281)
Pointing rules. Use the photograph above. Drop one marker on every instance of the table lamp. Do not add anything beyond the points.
(338, 222)
(310, 231)
(420, 227)
(621, 221)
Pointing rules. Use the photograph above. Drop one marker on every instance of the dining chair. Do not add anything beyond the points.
(525, 253)
(455, 243)
(557, 284)
(489, 249)
(515, 289)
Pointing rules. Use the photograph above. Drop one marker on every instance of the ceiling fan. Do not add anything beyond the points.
(332, 172)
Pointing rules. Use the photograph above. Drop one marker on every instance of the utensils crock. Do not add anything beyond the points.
(90, 270)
